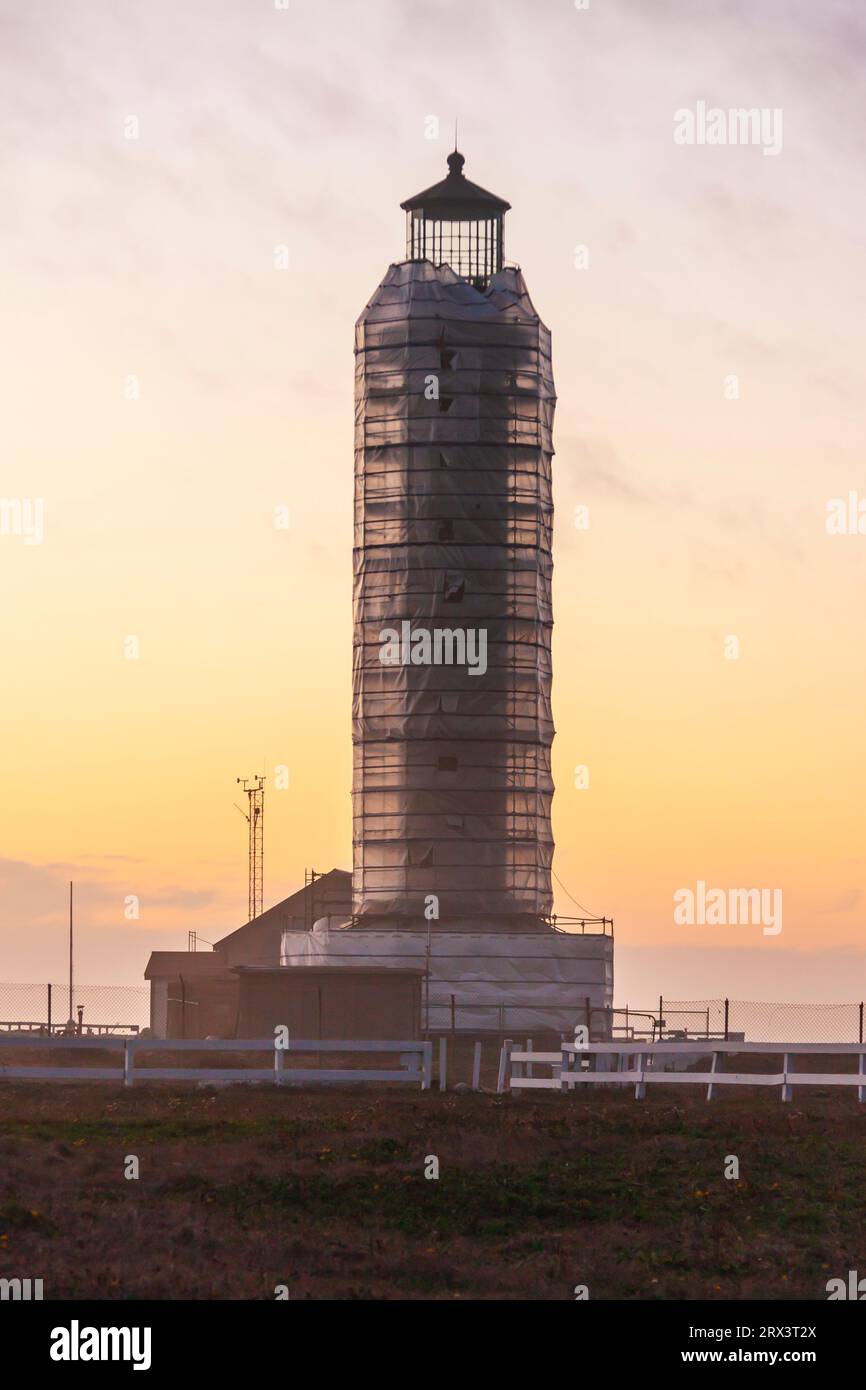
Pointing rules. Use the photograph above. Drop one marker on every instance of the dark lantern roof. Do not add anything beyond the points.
(455, 197)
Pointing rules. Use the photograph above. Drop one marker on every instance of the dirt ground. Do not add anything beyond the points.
(323, 1190)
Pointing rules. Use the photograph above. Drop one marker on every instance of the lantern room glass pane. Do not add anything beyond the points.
(472, 248)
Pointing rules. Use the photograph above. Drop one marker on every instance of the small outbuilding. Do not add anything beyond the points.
(360, 1002)
(196, 995)
(193, 994)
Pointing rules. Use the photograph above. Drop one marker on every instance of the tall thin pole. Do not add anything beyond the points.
(427, 986)
(71, 1019)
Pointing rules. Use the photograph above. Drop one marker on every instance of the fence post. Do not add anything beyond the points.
(504, 1052)
(727, 1008)
(49, 1014)
(476, 1068)
(860, 1039)
(129, 1062)
(278, 1064)
(443, 1048)
(427, 996)
(786, 1089)
(528, 1064)
(714, 1066)
(861, 1089)
(639, 1085)
(661, 1018)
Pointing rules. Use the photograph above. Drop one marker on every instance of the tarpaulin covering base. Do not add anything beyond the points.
(519, 980)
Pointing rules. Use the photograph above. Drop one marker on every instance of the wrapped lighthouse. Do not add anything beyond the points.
(452, 723)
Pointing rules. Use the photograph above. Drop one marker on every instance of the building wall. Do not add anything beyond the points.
(202, 1007)
(258, 944)
(330, 1004)
(159, 1008)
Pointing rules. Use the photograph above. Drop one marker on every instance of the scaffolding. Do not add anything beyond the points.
(452, 783)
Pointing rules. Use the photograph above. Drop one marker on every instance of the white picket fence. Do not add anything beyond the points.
(415, 1060)
(633, 1064)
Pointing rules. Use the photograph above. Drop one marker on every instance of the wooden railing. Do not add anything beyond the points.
(633, 1065)
(415, 1060)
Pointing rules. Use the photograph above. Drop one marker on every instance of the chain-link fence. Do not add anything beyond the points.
(98, 1009)
(93, 1009)
(734, 1020)
(754, 1021)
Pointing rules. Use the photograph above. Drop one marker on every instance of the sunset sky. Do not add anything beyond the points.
(153, 258)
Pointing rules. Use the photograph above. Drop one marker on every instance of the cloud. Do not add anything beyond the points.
(108, 947)
(38, 894)
(34, 893)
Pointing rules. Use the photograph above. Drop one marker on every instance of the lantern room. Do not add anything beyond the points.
(458, 224)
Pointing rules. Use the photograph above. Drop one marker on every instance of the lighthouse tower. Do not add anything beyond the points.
(453, 514)
(452, 726)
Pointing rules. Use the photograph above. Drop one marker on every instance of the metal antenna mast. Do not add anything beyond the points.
(255, 817)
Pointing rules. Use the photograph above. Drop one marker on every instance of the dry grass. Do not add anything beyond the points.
(245, 1188)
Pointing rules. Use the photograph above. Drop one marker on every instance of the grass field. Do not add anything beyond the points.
(245, 1188)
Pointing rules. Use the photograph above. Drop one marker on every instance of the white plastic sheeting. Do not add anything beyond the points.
(453, 515)
(498, 980)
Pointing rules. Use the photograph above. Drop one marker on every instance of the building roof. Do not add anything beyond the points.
(333, 889)
(166, 964)
(455, 197)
